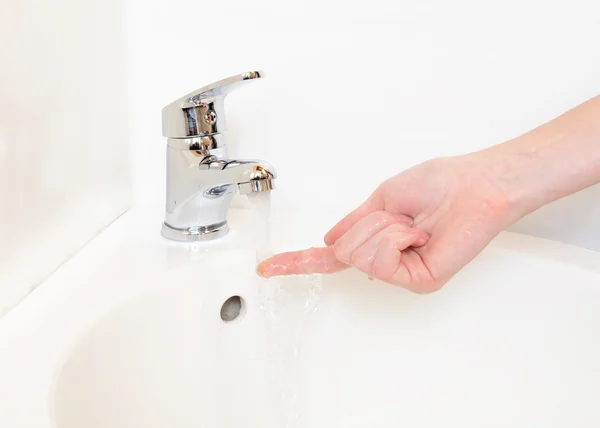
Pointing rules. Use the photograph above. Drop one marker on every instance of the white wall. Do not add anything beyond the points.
(358, 91)
(63, 149)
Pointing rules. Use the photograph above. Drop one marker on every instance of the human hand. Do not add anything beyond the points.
(417, 230)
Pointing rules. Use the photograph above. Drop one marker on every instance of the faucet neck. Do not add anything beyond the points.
(206, 143)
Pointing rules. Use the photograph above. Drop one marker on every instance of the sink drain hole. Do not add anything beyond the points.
(232, 308)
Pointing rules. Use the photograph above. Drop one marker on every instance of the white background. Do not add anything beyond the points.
(355, 92)
(358, 91)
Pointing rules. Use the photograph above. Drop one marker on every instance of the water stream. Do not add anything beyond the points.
(287, 303)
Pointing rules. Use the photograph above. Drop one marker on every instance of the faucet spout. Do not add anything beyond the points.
(251, 176)
(200, 187)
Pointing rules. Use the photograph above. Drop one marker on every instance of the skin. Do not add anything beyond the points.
(420, 227)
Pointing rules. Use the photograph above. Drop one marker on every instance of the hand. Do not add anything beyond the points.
(416, 230)
(419, 228)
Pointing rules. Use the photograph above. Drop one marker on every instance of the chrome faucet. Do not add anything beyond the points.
(201, 180)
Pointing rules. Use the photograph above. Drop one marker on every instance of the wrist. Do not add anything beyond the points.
(538, 168)
(552, 161)
(517, 174)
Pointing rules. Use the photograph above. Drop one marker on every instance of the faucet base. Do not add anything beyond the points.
(194, 234)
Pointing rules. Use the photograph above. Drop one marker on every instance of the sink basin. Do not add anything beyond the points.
(130, 333)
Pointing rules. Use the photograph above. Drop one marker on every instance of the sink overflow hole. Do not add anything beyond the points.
(232, 308)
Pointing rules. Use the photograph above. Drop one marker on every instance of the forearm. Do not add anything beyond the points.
(554, 160)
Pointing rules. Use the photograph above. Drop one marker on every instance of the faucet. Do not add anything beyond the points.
(201, 179)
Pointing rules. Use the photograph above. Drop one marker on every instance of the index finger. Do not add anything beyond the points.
(313, 260)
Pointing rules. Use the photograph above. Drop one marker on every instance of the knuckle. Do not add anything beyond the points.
(426, 287)
(377, 273)
(387, 243)
(381, 217)
(341, 252)
(360, 263)
(383, 273)
(395, 228)
(355, 259)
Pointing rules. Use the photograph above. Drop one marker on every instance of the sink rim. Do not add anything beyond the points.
(36, 335)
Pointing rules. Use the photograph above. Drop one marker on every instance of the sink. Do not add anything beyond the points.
(130, 333)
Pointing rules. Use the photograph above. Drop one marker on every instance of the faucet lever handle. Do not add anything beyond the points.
(201, 113)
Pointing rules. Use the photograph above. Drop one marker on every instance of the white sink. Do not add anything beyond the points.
(129, 334)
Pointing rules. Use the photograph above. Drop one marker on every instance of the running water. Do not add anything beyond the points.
(261, 233)
(287, 303)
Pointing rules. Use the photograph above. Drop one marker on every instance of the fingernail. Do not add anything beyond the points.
(261, 270)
